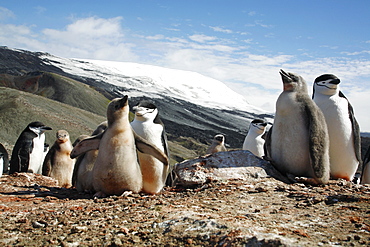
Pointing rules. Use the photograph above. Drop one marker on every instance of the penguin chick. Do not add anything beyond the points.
(82, 173)
(218, 145)
(149, 126)
(27, 154)
(58, 163)
(343, 129)
(254, 141)
(298, 142)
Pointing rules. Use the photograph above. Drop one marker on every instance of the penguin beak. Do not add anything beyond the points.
(335, 81)
(123, 102)
(285, 77)
(44, 128)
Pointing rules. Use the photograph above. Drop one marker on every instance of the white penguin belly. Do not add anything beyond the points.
(153, 171)
(254, 145)
(343, 160)
(37, 156)
(289, 138)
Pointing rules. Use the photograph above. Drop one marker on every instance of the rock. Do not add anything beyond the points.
(238, 164)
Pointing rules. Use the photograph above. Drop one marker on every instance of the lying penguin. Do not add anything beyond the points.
(117, 168)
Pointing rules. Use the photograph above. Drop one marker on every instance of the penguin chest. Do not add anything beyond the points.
(150, 131)
(36, 156)
(116, 168)
(343, 160)
(254, 143)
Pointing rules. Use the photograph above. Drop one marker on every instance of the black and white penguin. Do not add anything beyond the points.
(148, 125)
(298, 142)
(58, 163)
(218, 144)
(254, 142)
(365, 176)
(27, 155)
(344, 131)
(4, 160)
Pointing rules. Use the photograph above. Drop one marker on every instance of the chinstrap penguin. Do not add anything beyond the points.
(27, 154)
(149, 126)
(344, 131)
(117, 168)
(298, 143)
(57, 163)
(218, 144)
(254, 141)
(365, 176)
(82, 174)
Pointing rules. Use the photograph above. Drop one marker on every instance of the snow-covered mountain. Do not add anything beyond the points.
(190, 104)
(157, 82)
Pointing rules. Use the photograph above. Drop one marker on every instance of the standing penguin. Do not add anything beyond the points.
(298, 142)
(27, 155)
(254, 141)
(57, 163)
(365, 177)
(116, 168)
(149, 126)
(218, 145)
(344, 132)
(82, 173)
(4, 160)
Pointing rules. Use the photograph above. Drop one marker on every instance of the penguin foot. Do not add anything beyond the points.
(126, 193)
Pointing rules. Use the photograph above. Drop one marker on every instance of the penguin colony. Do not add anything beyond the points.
(316, 137)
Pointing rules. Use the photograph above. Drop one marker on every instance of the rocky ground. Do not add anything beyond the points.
(264, 212)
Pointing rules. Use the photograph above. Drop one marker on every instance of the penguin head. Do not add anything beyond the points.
(145, 111)
(326, 84)
(117, 108)
(38, 128)
(62, 136)
(219, 138)
(258, 126)
(293, 82)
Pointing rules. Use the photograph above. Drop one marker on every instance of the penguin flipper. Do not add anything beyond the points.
(267, 145)
(91, 143)
(318, 142)
(145, 147)
(46, 166)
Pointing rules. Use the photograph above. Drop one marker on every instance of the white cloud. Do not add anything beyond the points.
(220, 29)
(201, 38)
(6, 14)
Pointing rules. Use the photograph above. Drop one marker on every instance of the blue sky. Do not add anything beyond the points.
(241, 43)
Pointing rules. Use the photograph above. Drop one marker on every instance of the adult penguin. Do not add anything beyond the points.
(254, 141)
(27, 155)
(148, 125)
(344, 131)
